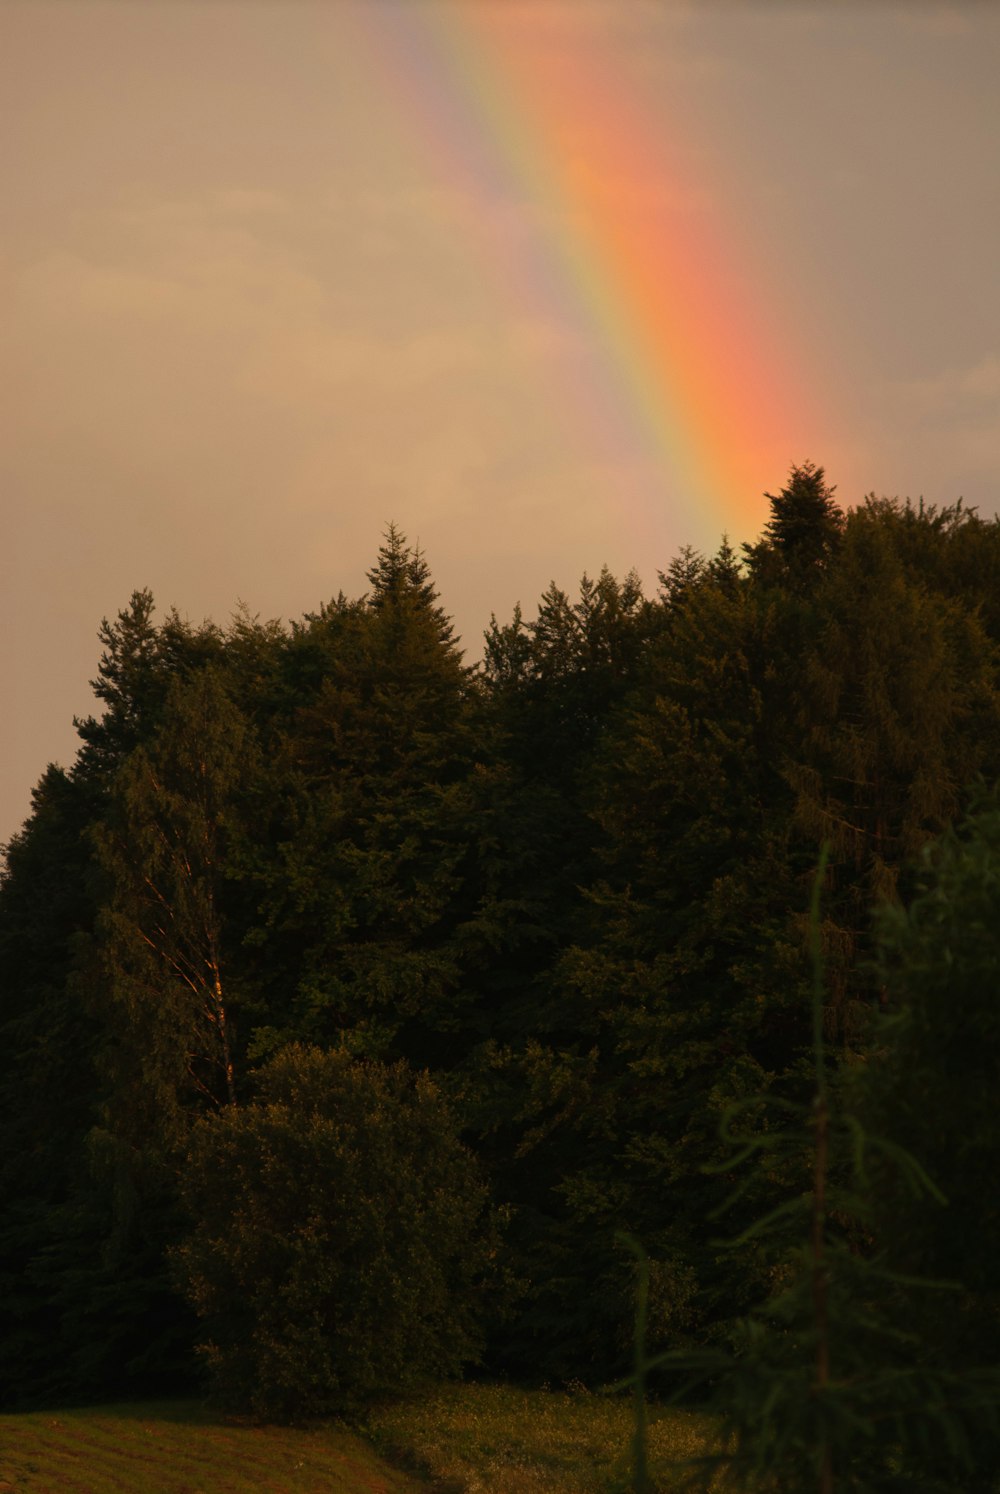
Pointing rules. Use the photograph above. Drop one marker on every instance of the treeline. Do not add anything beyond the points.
(323, 923)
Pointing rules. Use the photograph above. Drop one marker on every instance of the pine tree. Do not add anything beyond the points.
(362, 885)
(803, 530)
(401, 578)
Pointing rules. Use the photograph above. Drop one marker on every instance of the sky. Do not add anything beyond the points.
(550, 284)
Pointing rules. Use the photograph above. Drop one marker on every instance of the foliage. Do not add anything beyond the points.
(685, 917)
(830, 1383)
(52, 1222)
(933, 1079)
(338, 1237)
(934, 1072)
(572, 884)
(359, 884)
(803, 530)
(138, 664)
(162, 979)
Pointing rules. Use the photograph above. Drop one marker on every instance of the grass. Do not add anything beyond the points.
(456, 1439)
(491, 1439)
(171, 1447)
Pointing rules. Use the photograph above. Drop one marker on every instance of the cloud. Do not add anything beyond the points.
(571, 20)
(941, 431)
(251, 202)
(964, 392)
(937, 20)
(247, 371)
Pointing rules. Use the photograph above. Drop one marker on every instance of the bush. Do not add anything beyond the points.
(340, 1231)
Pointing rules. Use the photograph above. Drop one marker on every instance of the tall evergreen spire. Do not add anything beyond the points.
(401, 578)
(804, 527)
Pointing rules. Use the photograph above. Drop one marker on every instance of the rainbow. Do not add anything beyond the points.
(686, 368)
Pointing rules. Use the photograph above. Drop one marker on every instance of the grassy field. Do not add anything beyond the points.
(489, 1439)
(462, 1439)
(176, 1448)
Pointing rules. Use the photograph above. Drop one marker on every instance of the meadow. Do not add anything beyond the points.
(456, 1439)
(175, 1447)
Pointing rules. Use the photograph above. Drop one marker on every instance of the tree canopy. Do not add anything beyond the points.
(569, 887)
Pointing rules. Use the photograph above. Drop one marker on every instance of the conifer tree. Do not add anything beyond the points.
(686, 917)
(49, 1097)
(401, 577)
(803, 530)
(129, 683)
(85, 1313)
(831, 1386)
(361, 889)
(894, 707)
(137, 665)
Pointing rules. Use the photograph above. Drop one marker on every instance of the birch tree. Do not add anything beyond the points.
(166, 975)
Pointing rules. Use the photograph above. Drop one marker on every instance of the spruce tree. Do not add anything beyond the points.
(803, 530)
(361, 886)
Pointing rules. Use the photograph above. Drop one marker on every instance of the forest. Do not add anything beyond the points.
(370, 1018)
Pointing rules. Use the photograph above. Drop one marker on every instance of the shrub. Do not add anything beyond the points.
(339, 1234)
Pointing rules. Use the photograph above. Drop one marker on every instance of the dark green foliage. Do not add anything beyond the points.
(678, 988)
(339, 1237)
(934, 1076)
(89, 1307)
(759, 716)
(401, 581)
(83, 1309)
(162, 978)
(554, 686)
(46, 903)
(803, 531)
(137, 666)
(572, 884)
(899, 710)
(831, 1384)
(361, 884)
(48, 1097)
(555, 680)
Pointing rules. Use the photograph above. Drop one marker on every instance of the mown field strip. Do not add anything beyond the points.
(176, 1448)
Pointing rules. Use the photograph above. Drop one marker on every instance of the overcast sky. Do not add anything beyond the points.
(254, 309)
